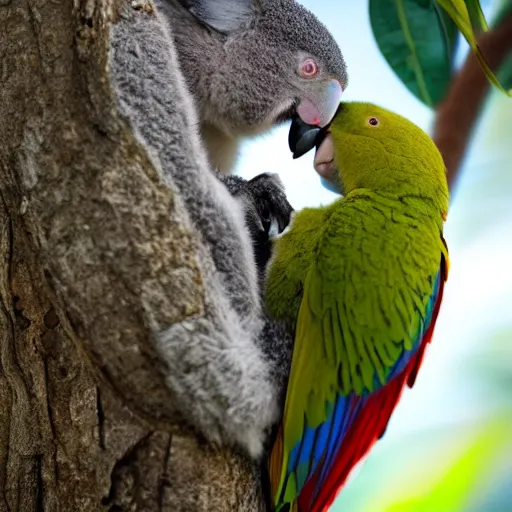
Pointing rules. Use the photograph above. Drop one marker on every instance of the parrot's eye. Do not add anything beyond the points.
(373, 121)
(309, 68)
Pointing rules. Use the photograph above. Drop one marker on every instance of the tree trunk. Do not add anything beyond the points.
(457, 115)
(92, 246)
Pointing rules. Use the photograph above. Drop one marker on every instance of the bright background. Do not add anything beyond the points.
(449, 444)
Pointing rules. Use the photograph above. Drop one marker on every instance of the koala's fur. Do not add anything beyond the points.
(228, 366)
(267, 211)
(240, 58)
(217, 363)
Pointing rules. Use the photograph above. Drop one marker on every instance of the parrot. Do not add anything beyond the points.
(360, 283)
(251, 65)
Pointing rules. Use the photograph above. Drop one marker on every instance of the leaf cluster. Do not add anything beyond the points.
(419, 40)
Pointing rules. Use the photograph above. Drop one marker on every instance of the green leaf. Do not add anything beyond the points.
(458, 12)
(476, 15)
(505, 72)
(450, 31)
(417, 40)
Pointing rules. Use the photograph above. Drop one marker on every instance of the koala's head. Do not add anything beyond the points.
(264, 61)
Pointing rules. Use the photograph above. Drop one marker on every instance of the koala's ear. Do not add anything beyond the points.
(224, 16)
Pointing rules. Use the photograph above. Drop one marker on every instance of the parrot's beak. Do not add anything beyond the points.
(324, 158)
(303, 138)
(325, 166)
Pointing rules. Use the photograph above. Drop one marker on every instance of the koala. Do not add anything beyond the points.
(253, 64)
(227, 366)
(267, 211)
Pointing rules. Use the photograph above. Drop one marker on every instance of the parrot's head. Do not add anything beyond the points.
(369, 147)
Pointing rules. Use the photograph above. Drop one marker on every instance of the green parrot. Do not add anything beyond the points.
(360, 282)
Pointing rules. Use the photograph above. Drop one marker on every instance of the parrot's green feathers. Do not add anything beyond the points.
(360, 306)
(284, 283)
(361, 282)
(382, 151)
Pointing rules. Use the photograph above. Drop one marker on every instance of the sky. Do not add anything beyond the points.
(478, 295)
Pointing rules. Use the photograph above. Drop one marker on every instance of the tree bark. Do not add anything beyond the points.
(457, 115)
(93, 250)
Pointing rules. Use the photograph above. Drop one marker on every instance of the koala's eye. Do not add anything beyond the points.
(373, 121)
(309, 68)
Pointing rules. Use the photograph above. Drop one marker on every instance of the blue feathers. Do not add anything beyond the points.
(318, 450)
(318, 446)
(407, 355)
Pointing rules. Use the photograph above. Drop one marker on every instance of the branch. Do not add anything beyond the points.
(458, 113)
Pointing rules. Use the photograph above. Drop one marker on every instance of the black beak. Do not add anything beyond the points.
(303, 137)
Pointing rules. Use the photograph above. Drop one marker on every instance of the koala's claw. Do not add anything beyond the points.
(267, 211)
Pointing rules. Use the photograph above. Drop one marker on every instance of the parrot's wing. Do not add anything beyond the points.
(344, 385)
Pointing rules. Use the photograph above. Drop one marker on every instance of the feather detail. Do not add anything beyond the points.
(349, 411)
(374, 415)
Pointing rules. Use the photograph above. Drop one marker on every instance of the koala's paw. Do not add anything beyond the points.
(267, 211)
(267, 214)
(270, 201)
(287, 228)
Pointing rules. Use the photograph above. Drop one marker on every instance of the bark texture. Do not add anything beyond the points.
(90, 243)
(457, 114)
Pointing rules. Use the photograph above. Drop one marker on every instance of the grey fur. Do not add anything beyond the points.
(223, 15)
(228, 365)
(217, 371)
(241, 66)
(267, 211)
